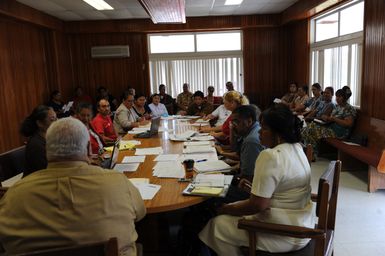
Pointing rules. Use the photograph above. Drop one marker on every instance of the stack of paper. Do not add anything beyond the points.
(169, 170)
(209, 185)
(198, 149)
(203, 138)
(196, 143)
(182, 136)
(133, 159)
(149, 151)
(146, 190)
(126, 167)
(167, 157)
(200, 157)
(212, 166)
(209, 180)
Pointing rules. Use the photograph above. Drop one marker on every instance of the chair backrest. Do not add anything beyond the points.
(105, 248)
(327, 196)
(12, 163)
(2, 191)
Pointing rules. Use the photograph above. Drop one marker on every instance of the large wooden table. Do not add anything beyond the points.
(169, 197)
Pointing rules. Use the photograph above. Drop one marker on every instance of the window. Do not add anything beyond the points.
(204, 59)
(336, 49)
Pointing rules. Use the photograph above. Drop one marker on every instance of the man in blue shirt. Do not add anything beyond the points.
(246, 127)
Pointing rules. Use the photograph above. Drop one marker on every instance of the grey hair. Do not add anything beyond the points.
(67, 138)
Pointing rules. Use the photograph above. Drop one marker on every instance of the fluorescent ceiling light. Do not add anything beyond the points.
(233, 2)
(99, 4)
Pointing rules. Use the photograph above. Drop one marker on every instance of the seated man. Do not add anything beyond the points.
(70, 202)
(84, 114)
(199, 107)
(214, 100)
(184, 99)
(166, 99)
(102, 122)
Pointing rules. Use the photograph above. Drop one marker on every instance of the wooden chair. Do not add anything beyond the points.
(12, 163)
(322, 235)
(2, 191)
(105, 248)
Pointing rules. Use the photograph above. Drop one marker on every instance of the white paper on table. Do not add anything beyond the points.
(203, 138)
(186, 134)
(133, 159)
(147, 191)
(132, 167)
(172, 169)
(200, 124)
(134, 142)
(141, 129)
(167, 117)
(212, 166)
(276, 100)
(198, 149)
(199, 157)
(9, 182)
(138, 181)
(148, 151)
(196, 143)
(191, 117)
(209, 180)
(202, 121)
(136, 131)
(167, 157)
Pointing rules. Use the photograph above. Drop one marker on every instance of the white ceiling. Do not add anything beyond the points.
(70, 10)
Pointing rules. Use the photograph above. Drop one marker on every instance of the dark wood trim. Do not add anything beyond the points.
(19, 11)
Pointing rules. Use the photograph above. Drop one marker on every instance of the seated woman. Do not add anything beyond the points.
(140, 107)
(289, 97)
(157, 108)
(299, 101)
(220, 114)
(34, 127)
(210, 98)
(312, 103)
(325, 107)
(125, 117)
(280, 191)
(56, 104)
(231, 101)
(338, 124)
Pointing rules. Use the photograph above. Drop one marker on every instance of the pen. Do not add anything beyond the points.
(203, 160)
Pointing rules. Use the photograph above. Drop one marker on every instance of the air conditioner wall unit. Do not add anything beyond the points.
(110, 51)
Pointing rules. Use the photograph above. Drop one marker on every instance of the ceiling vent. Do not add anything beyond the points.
(110, 51)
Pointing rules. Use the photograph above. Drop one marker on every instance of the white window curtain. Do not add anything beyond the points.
(198, 73)
(339, 66)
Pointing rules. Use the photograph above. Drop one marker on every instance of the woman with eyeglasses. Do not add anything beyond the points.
(34, 127)
(125, 118)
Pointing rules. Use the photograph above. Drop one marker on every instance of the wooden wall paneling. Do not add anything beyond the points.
(19, 11)
(59, 70)
(298, 50)
(264, 65)
(23, 77)
(192, 24)
(304, 9)
(117, 74)
(373, 86)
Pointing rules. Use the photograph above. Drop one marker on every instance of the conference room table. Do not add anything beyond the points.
(170, 196)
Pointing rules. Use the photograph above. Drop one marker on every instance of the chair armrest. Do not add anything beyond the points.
(279, 229)
(314, 197)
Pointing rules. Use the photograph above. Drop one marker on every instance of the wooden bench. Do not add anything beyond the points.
(372, 156)
(12, 163)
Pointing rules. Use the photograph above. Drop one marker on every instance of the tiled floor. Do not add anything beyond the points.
(360, 222)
